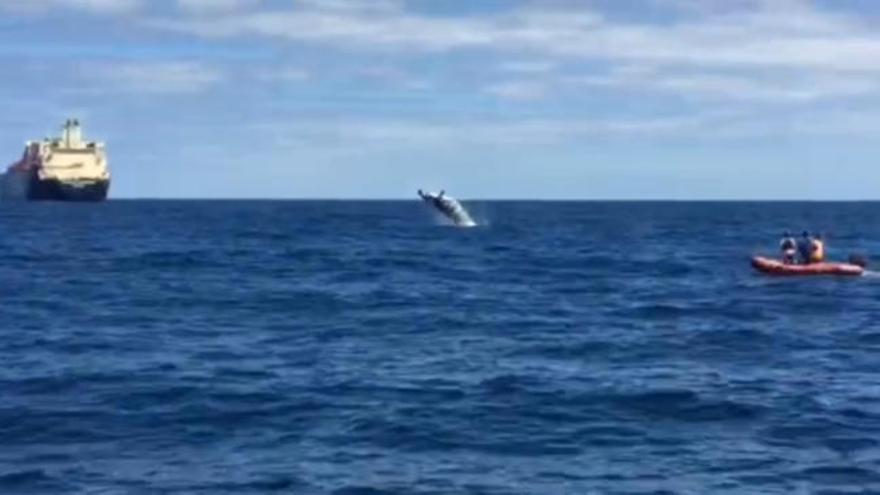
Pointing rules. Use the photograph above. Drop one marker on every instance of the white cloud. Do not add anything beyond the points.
(365, 135)
(156, 77)
(392, 77)
(767, 86)
(353, 28)
(723, 49)
(787, 34)
(517, 90)
(362, 134)
(215, 6)
(858, 124)
(285, 74)
(811, 88)
(353, 6)
(528, 67)
(91, 6)
(724, 52)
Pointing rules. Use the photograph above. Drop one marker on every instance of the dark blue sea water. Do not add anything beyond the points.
(362, 348)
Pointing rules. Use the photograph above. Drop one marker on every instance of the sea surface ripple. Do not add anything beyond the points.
(360, 348)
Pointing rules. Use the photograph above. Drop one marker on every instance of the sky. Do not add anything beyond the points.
(539, 99)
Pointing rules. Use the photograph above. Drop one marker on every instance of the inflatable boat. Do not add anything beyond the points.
(776, 267)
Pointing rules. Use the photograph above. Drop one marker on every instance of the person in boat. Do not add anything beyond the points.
(788, 246)
(817, 250)
(805, 248)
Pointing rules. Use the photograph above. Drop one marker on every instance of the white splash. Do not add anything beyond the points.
(449, 207)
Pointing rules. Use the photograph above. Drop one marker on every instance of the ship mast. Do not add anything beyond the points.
(72, 134)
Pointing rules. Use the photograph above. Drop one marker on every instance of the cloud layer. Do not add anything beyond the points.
(771, 51)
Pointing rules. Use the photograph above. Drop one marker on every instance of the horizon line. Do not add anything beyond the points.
(513, 199)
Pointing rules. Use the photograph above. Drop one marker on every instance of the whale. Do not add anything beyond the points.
(449, 207)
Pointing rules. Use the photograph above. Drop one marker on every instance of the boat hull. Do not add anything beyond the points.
(55, 190)
(776, 267)
(27, 186)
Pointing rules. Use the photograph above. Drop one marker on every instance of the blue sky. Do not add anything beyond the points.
(583, 99)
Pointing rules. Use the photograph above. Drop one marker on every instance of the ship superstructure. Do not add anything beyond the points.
(62, 169)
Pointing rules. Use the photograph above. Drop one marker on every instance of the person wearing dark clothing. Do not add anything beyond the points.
(805, 248)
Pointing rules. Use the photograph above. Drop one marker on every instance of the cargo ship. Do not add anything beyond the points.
(60, 169)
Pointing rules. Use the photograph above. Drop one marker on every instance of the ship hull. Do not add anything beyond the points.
(22, 186)
(55, 190)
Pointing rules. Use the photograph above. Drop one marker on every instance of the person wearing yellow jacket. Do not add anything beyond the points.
(817, 250)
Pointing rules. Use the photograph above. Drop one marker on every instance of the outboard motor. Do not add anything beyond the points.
(858, 260)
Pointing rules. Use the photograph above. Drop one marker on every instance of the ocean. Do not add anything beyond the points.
(365, 348)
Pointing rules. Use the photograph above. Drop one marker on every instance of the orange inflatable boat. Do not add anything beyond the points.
(776, 267)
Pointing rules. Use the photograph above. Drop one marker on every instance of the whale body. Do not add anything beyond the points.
(448, 207)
